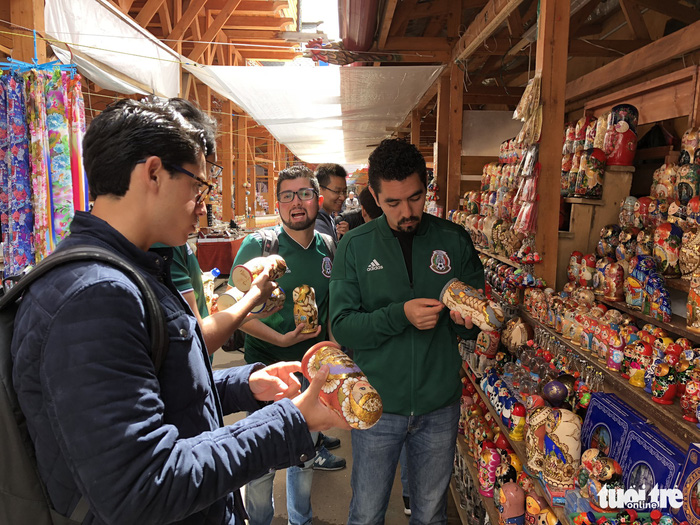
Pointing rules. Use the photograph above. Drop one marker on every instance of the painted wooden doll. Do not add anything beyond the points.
(305, 309)
(511, 504)
(667, 245)
(664, 385)
(488, 463)
(562, 448)
(693, 304)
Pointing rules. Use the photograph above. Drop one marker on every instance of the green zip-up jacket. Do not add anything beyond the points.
(414, 371)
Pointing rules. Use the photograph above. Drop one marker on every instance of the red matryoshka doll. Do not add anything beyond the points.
(566, 164)
(511, 504)
(688, 183)
(667, 246)
(689, 144)
(693, 304)
(599, 275)
(614, 281)
(641, 211)
(488, 463)
(587, 270)
(692, 209)
(628, 353)
(580, 133)
(574, 268)
(691, 397)
(684, 370)
(642, 353)
(518, 414)
(664, 384)
(620, 142)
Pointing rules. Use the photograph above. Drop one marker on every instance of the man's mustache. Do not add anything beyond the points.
(408, 219)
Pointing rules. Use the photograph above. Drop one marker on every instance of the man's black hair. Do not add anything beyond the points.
(369, 204)
(296, 172)
(395, 159)
(324, 172)
(129, 131)
(199, 119)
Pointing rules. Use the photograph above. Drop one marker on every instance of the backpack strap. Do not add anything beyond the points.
(270, 241)
(330, 243)
(155, 319)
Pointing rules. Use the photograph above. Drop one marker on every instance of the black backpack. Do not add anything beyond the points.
(23, 497)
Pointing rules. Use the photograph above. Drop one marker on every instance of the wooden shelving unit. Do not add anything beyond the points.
(455, 496)
(679, 284)
(501, 258)
(518, 447)
(668, 419)
(676, 326)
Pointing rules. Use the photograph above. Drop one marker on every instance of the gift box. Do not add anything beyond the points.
(689, 484)
(650, 460)
(608, 421)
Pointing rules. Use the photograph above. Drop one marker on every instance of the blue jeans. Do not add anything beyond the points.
(259, 499)
(430, 445)
(403, 465)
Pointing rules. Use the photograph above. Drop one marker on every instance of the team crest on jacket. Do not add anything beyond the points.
(440, 262)
(326, 267)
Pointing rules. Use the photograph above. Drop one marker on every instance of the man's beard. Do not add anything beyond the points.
(300, 226)
(409, 229)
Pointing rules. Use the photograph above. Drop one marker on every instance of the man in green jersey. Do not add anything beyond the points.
(387, 280)
(277, 338)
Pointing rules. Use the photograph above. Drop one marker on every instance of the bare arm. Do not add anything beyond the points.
(263, 332)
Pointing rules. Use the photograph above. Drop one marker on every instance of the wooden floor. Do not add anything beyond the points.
(331, 493)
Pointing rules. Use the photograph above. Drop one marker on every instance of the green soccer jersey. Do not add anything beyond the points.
(305, 265)
(186, 275)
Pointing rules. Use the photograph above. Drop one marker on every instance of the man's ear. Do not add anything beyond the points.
(371, 190)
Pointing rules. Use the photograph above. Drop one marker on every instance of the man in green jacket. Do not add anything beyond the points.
(385, 291)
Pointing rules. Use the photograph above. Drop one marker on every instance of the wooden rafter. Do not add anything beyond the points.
(216, 25)
(634, 19)
(148, 11)
(674, 10)
(579, 18)
(604, 48)
(166, 24)
(258, 22)
(184, 23)
(417, 44)
(385, 26)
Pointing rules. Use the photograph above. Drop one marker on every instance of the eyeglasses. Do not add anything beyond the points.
(304, 194)
(214, 170)
(342, 193)
(203, 192)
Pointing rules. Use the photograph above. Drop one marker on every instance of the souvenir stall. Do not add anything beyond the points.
(42, 122)
(581, 393)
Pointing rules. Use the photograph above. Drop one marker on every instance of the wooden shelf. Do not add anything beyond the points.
(455, 496)
(501, 258)
(656, 153)
(517, 446)
(488, 503)
(581, 200)
(679, 284)
(668, 419)
(676, 326)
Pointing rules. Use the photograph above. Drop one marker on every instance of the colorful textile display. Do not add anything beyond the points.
(42, 124)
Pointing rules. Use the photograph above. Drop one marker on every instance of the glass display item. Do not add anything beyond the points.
(346, 390)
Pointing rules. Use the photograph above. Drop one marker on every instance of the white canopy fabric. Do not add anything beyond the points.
(323, 114)
(111, 49)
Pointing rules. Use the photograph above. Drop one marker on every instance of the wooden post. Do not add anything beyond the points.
(441, 137)
(552, 47)
(241, 164)
(454, 160)
(225, 158)
(415, 128)
(27, 13)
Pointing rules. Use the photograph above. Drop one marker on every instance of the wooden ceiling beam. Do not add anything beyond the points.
(252, 7)
(480, 89)
(634, 19)
(166, 25)
(489, 99)
(258, 22)
(483, 26)
(123, 5)
(251, 34)
(385, 26)
(417, 44)
(675, 10)
(604, 48)
(637, 62)
(402, 15)
(148, 11)
(185, 21)
(216, 25)
(268, 55)
(435, 26)
(579, 18)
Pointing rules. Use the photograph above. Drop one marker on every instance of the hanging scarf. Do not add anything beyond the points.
(75, 112)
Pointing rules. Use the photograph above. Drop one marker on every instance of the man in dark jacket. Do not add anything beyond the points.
(333, 187)
(385, 287)
(141, 447)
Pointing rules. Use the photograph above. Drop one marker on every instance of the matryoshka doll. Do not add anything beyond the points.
(642, 355)
(587, 270)
(693, 304)
(511, 504)
(574, 268)
(641, 212)
(692, 210)
(665, 180)
(667, 245)
(534, 504)
(589, 183)
(534, 437)
(626, 216)
(518, 414)
(684, 369)
(613, 288)
(566, 165)
(620, 142)
(488, 463)
(689, 144)
(599, 275)
(691, 397)
(689, 257)
(664, 385)
(688, 183)
(562, 448)
(615, 352)
(609, 239)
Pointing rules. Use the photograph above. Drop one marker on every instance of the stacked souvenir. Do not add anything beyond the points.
(583, 164)
(432, 197)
